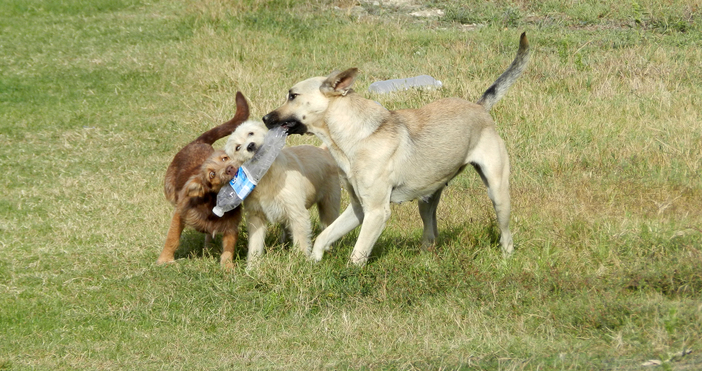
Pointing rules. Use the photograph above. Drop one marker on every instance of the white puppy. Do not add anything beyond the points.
(300, 177)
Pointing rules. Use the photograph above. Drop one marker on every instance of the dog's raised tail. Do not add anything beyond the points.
(221, 131)
(499, 88)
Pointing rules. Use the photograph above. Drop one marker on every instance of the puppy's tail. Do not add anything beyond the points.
(499, 88)
(221, 131)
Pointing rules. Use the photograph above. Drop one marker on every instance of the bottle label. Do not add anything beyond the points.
(241, 183)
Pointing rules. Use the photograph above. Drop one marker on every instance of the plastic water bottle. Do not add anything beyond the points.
(251, 172)
(387, 86)
(227, 199)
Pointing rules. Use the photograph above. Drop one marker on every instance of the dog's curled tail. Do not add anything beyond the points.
(499, 88)
(221, 131)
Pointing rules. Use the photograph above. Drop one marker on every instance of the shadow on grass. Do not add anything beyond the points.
(473, 235)
(192, 243)
(401, 273)
(469, 235)
(192, 246)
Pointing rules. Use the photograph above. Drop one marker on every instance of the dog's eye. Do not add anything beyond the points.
(251, 133)
(212, 174)
(292, 96)
(225, 158)
(238, 147)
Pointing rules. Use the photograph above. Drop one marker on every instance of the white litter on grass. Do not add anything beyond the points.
(428, 13)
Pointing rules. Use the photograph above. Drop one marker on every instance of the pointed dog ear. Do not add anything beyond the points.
(339, 83)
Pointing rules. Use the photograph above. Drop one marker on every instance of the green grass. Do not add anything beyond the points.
(605, 140)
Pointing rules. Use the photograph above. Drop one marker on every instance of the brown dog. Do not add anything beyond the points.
(191, 185)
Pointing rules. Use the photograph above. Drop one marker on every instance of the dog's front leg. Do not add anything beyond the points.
(347, 221)
(256, 225)
(373, 225)
(376, 208)
(228, 248)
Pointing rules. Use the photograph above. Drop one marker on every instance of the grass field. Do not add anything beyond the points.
(604, 130)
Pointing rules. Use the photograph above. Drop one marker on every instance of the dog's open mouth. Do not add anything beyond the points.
(294, 127)
(291, 124)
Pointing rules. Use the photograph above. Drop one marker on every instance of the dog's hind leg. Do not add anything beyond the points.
(499, 194)
(301, 228)
(494, 171)
(427, 209)
(172, 239)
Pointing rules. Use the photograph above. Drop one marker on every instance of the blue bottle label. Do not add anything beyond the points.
(241, 184)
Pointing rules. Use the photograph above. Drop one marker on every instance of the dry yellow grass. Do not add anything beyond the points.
(605, 140)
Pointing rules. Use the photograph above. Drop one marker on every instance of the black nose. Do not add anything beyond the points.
(271, 119)
(251, 147)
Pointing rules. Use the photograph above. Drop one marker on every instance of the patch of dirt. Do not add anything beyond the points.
(428, 13)
(414, 9)
(392, 8)
(393, 3)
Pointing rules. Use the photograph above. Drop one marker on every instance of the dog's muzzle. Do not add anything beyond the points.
(293, 125)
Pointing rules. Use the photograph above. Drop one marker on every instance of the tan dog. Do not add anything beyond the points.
(300, 177)
(396, 156)
(191, 184)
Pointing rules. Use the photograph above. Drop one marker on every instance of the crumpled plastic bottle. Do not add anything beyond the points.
(421, 81)
(251, 172)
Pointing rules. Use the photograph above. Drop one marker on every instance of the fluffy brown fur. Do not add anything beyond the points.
(191, 185)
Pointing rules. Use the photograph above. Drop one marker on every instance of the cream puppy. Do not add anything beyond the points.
(300, 177)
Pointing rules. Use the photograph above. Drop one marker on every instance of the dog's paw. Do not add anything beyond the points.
(227, 265)
(226, 261)
(428, 245)
(507, 245)
(164, 261)
(316, 255)
(251, 267)
(358, 260)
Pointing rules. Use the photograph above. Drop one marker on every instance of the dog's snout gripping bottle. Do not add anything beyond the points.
(248, 175)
